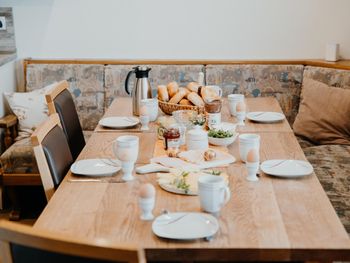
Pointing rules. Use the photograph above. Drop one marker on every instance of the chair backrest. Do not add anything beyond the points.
(60, 101)
(22, 243)
(52, 153)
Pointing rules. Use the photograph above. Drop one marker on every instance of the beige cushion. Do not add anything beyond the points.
(30, 109)
(324, 113)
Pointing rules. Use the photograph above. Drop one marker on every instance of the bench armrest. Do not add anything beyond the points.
(9, 123)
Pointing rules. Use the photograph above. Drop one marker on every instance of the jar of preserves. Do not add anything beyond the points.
(171, 138)
(213, 112)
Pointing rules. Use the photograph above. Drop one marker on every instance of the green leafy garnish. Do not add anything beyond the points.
(219, 133)
(182, 184)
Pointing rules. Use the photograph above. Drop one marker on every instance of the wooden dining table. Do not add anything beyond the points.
(274, 219)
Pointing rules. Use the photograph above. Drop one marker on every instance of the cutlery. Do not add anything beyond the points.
(259, 114)
(174, 220)
(129, 119)
(96, 180)
(277, 164)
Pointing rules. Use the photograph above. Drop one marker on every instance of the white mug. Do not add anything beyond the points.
(247, 142)
(217, 89)
(233, 99)
(213, 193)
(126, 149)
(152, 108)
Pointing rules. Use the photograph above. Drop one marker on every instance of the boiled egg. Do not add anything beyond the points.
(240, 106)
(252, 156)
(147, 191)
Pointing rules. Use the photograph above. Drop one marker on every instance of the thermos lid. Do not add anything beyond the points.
(142, 71)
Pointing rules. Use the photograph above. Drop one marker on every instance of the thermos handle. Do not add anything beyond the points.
(127, 81)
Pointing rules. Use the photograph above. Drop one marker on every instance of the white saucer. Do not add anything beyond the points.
(118, 122)
(265, 116)
(96, 167)
(286, 168)
(185, 226)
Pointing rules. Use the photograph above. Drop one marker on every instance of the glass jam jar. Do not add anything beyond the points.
(171, 139)
(213, 112)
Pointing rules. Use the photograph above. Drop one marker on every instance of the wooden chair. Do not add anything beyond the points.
(21, 243)
(60, 101)
(52, 153)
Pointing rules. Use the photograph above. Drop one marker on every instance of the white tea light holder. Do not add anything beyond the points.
(332, 52)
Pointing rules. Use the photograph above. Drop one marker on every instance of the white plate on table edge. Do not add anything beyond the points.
(286, 168)
(96, 167)
(118, 122)
(185, 225)
(265, 116)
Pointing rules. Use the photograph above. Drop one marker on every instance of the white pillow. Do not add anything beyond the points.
(30, 109)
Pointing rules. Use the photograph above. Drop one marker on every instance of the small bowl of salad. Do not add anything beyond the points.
(221, 137)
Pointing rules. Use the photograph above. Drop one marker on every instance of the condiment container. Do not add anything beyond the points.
(213, 112)
(171, 138)
(197, 139)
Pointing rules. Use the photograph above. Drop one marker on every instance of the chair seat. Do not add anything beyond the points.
(19, 158)
(332, 167)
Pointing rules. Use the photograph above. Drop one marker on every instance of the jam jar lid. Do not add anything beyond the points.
(197, 134)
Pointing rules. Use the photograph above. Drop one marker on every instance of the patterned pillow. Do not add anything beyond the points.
(30, 109)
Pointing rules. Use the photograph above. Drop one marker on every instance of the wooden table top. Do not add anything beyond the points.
(123, 107)
(272, 219)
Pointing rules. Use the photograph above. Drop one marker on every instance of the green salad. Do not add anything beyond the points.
(220, 133)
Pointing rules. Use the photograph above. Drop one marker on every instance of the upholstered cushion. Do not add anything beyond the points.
(324, 113)
(86, 84)
(19, 158)
(30, 109)
(280, 81)
(332, 167)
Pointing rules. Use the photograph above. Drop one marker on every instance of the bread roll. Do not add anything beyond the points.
(193, 86)
(173, 88)
(163, 94)
(185, 102)
(209, 94)
(184, 89)
(195, 99)
(178, 96)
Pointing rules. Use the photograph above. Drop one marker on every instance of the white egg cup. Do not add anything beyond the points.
(240, 117)
(127, 168)
(146, 206)
(144, 119)
(252, 169)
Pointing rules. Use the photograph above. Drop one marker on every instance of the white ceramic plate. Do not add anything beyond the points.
(265, 116)
(185, 226)
(118, 122)
(222, 141)
(96, 167)
(286, 168)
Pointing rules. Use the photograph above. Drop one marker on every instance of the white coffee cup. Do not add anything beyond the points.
(213, 193)
(233, 99)
(247, 142)
(126, 149)
(152, 108)
(217, 89)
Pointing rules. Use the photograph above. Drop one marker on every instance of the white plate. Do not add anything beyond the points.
(265, 116)
(96, 167)
(185, 226)
(286, 168)
(118, 122)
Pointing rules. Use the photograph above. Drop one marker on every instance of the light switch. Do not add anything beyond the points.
(2, 23)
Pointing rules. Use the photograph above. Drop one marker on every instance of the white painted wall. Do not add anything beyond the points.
(181, 29)
(7, 83)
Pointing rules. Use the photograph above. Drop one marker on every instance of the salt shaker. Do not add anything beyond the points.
(252, 165)
(240, 112)
(146, 201)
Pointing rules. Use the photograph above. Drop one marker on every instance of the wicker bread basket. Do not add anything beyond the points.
(168, 108)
